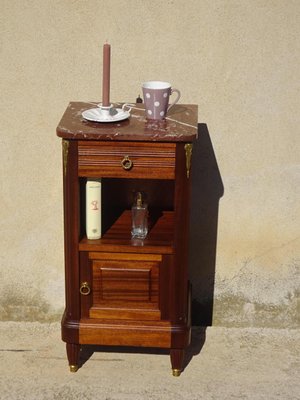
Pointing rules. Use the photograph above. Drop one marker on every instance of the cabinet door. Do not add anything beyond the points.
(123, 286)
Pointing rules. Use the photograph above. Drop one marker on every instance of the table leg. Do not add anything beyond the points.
(177, 357)
(73, 351)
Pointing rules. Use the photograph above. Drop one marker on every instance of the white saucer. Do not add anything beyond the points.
(97, 115)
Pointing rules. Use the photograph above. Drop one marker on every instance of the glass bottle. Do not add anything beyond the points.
(139, 216)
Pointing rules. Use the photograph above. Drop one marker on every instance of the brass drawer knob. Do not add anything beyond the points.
(85, 289)
(126, 163)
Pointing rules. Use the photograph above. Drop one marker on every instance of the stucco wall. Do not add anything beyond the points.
(239, 61)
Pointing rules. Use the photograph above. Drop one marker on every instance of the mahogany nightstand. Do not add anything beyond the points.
(122, 291)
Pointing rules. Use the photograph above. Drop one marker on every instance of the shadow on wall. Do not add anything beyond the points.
(207, 189)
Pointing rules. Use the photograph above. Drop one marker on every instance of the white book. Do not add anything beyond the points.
(93, 208)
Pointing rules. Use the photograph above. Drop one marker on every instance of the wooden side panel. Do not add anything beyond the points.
(71, 317)
(179, 272)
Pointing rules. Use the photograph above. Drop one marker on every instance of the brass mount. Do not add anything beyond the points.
(188, 147)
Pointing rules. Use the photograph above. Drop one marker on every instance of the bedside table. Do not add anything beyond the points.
(122, 291)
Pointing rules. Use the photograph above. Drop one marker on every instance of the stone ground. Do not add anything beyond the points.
(224, 363)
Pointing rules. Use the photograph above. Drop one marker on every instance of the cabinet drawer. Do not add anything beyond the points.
(126, 160)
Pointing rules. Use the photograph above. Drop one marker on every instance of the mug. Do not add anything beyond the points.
(156, 98)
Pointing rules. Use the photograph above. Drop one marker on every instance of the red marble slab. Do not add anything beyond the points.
(181, 125)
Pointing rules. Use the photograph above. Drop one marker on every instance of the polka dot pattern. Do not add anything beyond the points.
(156, 103)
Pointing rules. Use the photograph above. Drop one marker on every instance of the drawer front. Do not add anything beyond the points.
(126, 160)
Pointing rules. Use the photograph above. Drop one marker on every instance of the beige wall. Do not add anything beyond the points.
(239, 61)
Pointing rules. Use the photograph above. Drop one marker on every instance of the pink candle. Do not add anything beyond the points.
(106, 75)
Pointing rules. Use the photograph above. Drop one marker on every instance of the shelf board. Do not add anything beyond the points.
(118, 237)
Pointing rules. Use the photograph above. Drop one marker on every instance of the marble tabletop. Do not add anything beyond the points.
(181, 125)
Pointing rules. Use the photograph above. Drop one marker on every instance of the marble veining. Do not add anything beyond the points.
(180, 125)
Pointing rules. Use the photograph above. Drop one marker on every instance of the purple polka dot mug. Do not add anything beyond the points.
(156, 98)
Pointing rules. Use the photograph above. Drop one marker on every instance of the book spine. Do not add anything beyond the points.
(93, 208)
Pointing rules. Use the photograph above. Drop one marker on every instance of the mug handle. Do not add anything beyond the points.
(177, 98)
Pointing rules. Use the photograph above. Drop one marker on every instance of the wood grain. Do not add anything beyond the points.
(151, 160)
(125, 333)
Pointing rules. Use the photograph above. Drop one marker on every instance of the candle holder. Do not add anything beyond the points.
(107, 113)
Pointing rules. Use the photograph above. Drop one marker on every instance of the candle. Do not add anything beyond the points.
(106, 75)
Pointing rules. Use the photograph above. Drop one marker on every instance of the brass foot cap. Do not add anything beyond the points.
(73, 368)
(176, 372)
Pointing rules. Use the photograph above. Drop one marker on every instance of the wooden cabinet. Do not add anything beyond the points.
(122, 291)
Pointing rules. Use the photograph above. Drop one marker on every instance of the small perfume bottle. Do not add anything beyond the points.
(139, 216)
